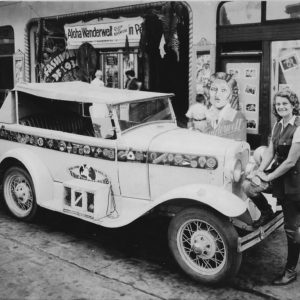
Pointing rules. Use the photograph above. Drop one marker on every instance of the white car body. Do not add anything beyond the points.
(153, 166)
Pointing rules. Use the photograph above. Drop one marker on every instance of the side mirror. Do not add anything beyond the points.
(101, 120)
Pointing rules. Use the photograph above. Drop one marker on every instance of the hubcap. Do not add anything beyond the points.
(22, 193)
(18, 194)
(203, 244)
(201, 247)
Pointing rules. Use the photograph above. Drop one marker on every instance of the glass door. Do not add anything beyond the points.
(129, 63)
(111, 69)
(114, 65)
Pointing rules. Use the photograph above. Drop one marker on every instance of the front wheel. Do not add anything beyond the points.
(204, 244)
(19, 195)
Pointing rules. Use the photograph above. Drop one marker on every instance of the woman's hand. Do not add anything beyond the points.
(263, 176)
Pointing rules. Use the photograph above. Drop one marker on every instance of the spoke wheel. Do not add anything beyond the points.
(18, 192)
(201, 247)
(204, 244)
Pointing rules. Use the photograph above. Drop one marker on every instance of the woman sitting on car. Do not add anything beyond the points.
(284, 174)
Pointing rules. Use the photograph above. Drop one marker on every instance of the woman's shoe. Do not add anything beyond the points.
(288, 276)
(265, 217)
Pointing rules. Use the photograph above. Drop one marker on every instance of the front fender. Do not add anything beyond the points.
(218, 198)
(42, 180)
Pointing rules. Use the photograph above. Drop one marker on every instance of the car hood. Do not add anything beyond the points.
(172, 139)
(186, 141)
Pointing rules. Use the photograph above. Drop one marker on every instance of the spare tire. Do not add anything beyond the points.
(87, 58)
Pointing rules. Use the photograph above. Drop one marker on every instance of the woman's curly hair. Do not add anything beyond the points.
(293, 99)
(234, 101)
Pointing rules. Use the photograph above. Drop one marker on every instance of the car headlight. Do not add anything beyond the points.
(237, 171)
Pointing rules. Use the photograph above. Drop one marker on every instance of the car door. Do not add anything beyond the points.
(81, 164)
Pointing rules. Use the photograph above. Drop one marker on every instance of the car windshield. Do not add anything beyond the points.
(142, 112)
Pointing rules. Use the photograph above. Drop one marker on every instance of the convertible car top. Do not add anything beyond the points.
(79, 91)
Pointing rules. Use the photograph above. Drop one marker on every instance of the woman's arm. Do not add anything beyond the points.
(290, 162)
(267, 157)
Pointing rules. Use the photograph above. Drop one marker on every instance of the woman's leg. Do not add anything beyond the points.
(261, 202)
(264, 207)
(291, 213)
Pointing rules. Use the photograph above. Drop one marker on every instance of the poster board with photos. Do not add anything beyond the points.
(247, 75)
(205, 65)
(18, 67)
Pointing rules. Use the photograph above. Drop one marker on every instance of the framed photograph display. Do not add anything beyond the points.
(289, 62)
(19, 65)
(285, 71)
(205, 65)
(247, 75)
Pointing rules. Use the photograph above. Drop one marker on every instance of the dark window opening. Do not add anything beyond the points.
(6, 61)
(241, 46)
(66, 116)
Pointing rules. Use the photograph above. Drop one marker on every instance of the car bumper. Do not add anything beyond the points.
(260, 233)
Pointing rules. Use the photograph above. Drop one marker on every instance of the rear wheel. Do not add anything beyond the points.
(19, 195)
(204, 244)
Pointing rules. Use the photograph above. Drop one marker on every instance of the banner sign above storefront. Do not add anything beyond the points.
(107, 33)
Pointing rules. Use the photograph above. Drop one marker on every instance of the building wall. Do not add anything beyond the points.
(204, 20)
(204, 31)
(17, 14)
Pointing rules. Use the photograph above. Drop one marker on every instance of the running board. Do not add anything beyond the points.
(259, 234)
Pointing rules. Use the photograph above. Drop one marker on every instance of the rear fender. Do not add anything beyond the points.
(42, 180)
(218, 198)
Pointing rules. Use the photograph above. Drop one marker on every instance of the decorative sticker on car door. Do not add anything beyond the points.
(130, 155)
(58, 145)
(86, 172)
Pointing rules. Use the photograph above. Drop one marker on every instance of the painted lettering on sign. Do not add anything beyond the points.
(89, 33)
(232, 129)
(59, 65)
(106, 34)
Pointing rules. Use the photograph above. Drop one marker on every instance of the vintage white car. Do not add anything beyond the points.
(110, 156)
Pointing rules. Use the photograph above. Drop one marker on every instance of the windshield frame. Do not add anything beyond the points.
(116, 116)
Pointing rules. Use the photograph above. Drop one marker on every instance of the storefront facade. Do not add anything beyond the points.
(152, 39)
(116, 43)
(259, 43)
(166, 65)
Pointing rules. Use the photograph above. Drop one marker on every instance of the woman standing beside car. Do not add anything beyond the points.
(284, 149)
